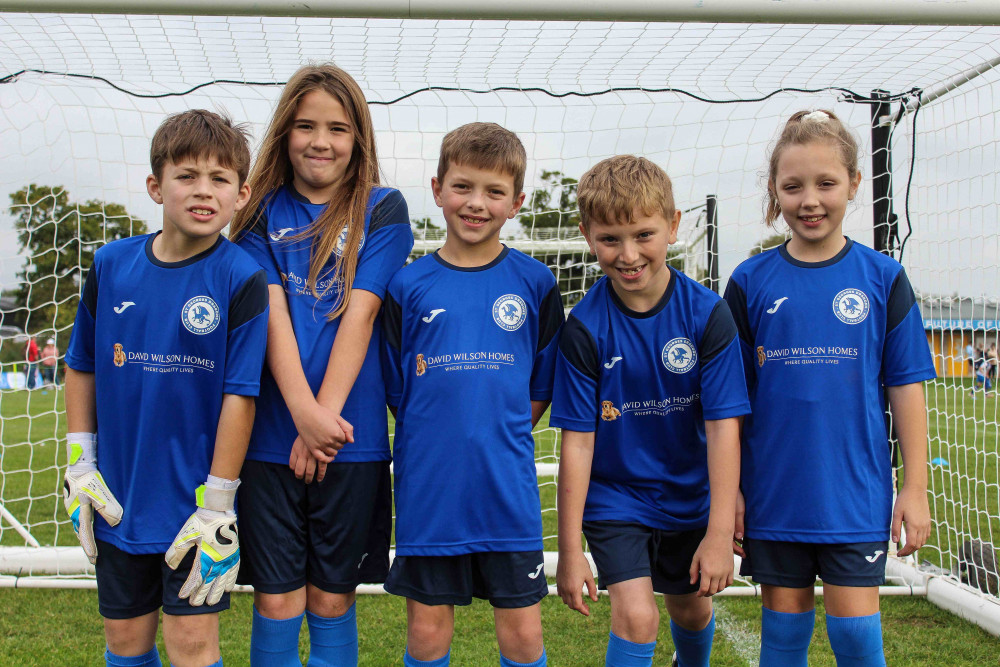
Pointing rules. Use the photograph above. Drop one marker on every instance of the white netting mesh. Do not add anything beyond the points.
(82, 96)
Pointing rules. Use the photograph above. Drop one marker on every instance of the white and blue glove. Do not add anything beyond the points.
(84, 490)
(212, 528)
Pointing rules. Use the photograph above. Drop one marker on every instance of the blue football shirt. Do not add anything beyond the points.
(820, 342)
(645, 383)
(467, 350)
(165, 341)
(384, 248)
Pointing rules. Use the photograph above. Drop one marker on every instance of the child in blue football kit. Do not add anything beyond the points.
(828, 328)
(329, 239)
(470, 339)
(178, 317)
(648, 391)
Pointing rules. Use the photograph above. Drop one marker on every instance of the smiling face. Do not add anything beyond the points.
(812, 186)
(476, 203)
(199, 197)
(634, 255)
(320, 145)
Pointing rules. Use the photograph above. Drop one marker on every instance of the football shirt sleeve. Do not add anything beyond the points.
(255, 241)
(736, 299)
(578, 372)
(392, 328)
(906, 356)
(550, 321)
(723, 386)
(80, 356)
(247, 337)
(389, 243)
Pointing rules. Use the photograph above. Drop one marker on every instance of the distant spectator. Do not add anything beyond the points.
(970, 353)
(991, 356)
(31, 356)
(982, 379)
(50, 354)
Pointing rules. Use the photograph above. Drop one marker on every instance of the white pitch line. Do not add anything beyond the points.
(740, 635)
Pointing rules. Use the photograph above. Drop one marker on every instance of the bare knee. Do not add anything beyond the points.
(519, 633)
(131, 636)
(689, 611)
(280, 606)
(328, 605)
(636, 622)
(191, 641)
(429, 630)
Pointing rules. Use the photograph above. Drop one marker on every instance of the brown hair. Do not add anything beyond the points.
(348, 206)
(613, 189)
(196, 134)
(484, 146)
(802, 128)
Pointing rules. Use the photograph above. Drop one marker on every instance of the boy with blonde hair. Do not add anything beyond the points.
(177, 315)
(648, 391)
(475, 322)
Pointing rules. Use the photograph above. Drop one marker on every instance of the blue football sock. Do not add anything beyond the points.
(693, 647)
(541, 662)
(623, 653)
(149, 659)
(333, 642)
(214, 664)
(275, 643)
(410, 661)
(784, 638)
(856, 640)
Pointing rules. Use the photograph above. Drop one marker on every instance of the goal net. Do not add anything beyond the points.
(81, 96)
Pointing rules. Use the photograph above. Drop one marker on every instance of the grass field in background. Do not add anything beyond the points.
(50, 627)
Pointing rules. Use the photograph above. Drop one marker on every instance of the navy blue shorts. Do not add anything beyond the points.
(133, 585)
(797, 564)
(509, 580)
(623, 550)
(332, 534)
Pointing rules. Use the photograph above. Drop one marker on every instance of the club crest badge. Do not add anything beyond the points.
(119, 355)
(338, 247)
(679, 355)
(609, 412)
(509, 312)
(200, 315)
(421, 365)
(761, 356)
(851, 306)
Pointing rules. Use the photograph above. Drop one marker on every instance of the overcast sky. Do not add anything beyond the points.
(94, 140)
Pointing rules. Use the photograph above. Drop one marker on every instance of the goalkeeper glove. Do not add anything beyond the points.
(84, 490)
(213, 529)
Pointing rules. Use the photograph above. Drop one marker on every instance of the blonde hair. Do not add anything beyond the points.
(805, 127)
(484, 146)
(196, 134)
(613, 189)
(348, 206)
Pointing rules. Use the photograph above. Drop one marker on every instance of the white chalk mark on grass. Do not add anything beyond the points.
(742, 637)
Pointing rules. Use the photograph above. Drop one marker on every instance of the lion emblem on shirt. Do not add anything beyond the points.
(761, 357)
(421, 365)
(609, 412)
(119, 355)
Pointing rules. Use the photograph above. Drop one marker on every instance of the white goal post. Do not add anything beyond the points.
(701, 88)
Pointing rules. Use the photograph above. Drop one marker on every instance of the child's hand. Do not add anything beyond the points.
(911, 508)
(320, 430)
(741, 509)
(571, 575)
(304, 464)
(714, 561)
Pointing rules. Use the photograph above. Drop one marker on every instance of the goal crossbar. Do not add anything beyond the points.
(885, 12)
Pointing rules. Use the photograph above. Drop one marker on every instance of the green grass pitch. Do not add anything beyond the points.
(62, 627)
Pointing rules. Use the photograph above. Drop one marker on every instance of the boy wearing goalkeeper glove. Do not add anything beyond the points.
(649, 388)
(163, 366)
